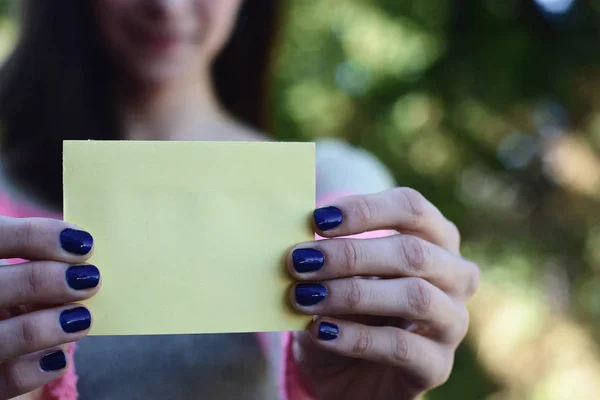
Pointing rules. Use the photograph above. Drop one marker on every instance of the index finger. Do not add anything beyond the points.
(389, 257)
(401, 209)
(43, 239)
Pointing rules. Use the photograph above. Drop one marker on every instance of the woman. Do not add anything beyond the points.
(196, 70)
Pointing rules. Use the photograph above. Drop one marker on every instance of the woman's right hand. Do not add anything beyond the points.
(37, 316)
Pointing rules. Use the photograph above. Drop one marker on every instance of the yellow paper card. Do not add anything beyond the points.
(191, 236)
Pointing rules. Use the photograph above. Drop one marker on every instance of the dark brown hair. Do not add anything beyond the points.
(56, 86)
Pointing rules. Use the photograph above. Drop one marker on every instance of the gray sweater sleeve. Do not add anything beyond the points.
(342, 168)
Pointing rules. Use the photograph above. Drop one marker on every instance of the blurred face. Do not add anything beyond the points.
(160, 41)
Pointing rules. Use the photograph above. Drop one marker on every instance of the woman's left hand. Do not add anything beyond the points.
(391, 309)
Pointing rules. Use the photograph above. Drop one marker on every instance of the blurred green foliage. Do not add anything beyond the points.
(490, 109)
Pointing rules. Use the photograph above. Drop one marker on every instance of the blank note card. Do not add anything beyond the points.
(190, 237)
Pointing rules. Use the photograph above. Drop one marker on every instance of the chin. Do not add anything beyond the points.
(159, 74)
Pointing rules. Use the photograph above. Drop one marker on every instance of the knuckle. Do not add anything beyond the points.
(443, 373)
(413, 252)
(353, 295)
(433, 380)
(364, 342)
(454, 232)
(419, 297)
(437, 373)
(473, 279)
(462, 324)
(456, 326)
(364, 210)
(27, 233)
(350, 254)
(29, 332)
(414, 203)
(400, 346)
(36, 280)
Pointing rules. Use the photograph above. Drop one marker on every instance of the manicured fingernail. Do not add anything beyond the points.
(53, 361)
(76, 242)
(328, 331)
(327, 218)
(75, 319)
(307, 260)
(80, 277)
(309, 294)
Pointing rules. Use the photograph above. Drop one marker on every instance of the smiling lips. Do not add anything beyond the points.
(155, 40)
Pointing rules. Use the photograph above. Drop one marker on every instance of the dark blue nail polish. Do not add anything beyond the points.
(76, 242)
(75, 319)
(328, 331)
(327, 218)
(53, 361)
(80, 277)
(309, 294)
(307, 260)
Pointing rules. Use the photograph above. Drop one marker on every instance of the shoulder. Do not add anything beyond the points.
(343, 169)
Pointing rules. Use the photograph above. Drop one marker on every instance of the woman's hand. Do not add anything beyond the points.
(391, 309)
(36, 324)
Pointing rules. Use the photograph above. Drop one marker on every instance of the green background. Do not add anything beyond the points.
(490, 109)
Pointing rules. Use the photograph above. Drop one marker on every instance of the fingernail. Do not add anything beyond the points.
(309, 294)
(53, 361)
(327, 218)
(75, 319)
(307, 260)
(76, 241)
(328, 331)
(80, 277)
